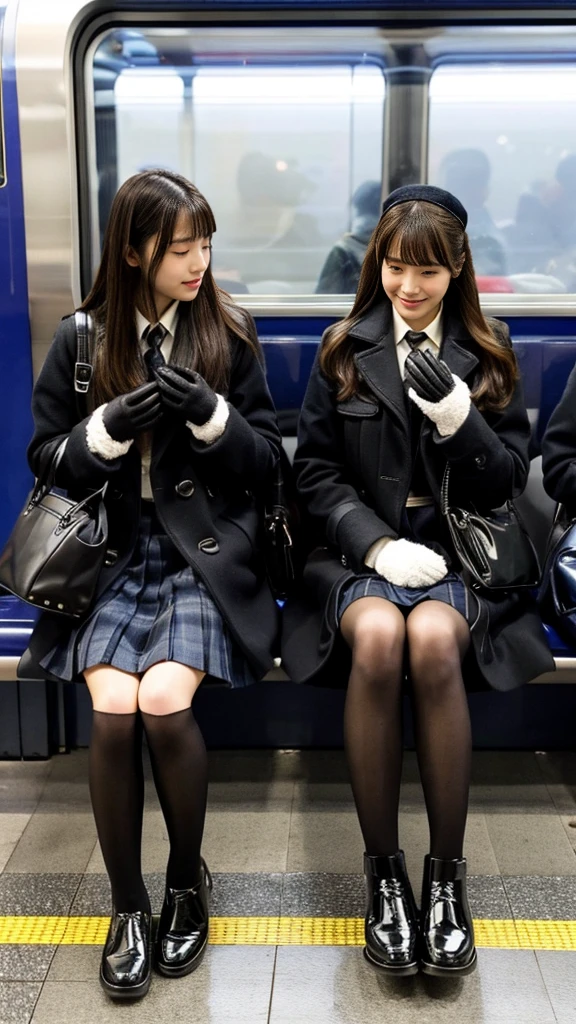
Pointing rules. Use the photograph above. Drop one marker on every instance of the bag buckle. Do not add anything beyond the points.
(82, 377)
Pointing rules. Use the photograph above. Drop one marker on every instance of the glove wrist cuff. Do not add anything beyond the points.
(450, 412)
(99, 441)
(214, 427)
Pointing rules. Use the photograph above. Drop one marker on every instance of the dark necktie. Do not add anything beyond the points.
(418, 482)
(154, 336)
(415, 338)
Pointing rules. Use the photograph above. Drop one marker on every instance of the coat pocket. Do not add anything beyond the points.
(358, 407)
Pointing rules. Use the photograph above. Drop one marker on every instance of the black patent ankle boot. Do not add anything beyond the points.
(183, 929)
(447, 932)
(391, 915)
(125, 969)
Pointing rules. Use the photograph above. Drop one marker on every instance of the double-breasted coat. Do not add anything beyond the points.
(207, 496)
(559, 449)
(353, 467)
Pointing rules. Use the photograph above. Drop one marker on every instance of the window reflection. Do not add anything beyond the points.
(514, 169)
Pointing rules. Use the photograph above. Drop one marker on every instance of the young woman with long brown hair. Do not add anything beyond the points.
(182, 427)
(412, 380)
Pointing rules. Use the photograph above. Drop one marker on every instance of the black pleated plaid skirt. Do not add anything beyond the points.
(420, 525)
(155, 610)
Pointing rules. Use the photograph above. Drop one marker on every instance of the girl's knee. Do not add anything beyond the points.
(158, 698)
(378, 646)
(111, 703)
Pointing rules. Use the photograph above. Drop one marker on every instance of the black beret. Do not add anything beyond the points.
(428, 194)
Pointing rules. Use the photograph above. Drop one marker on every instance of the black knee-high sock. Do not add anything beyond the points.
(117, 792)
(179, 764)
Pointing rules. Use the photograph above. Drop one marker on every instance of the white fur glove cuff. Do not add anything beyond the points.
(215, 426)
(410, 565)
(449, 413)
(98, 439)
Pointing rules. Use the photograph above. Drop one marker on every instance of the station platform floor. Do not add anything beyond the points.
(284, 846)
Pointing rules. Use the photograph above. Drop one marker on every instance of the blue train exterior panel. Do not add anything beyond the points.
(15, 349)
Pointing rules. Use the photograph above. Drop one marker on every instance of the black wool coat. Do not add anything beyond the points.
(201, 491)
(559, 449)
(353, 467)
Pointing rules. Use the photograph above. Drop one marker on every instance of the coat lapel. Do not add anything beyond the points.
(377, 364)
(454, 349)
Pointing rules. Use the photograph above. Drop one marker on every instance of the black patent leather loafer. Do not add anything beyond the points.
(183, 929)
(446, 923)
(391, 929)
(125, 970)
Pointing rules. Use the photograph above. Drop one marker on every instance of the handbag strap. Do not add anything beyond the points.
(83, 365)
(444, 490)
(45, 481)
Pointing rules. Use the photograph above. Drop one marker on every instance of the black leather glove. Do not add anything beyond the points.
(430, 378)
(186, 394)
(128, 415)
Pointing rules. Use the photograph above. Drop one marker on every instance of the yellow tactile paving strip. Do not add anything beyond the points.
(283, 931)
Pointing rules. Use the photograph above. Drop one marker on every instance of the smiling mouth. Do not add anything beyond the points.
(193, 284)
(411, 302)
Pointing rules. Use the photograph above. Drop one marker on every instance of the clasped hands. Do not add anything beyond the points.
(175, 389)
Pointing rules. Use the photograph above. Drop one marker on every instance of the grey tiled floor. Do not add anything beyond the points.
(282, 838)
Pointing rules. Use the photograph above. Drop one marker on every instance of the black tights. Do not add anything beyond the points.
(179, 764)
(180, 768)
(436, 638)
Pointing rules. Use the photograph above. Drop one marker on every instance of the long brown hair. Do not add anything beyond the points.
(146, 205)
(421, 234)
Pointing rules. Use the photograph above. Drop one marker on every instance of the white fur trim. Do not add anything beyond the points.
(215, 426)
(98, 439)
(449, 413)
(374, 551)
(410, 565)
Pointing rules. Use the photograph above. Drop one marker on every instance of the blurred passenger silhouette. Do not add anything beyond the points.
(270, 191)
(466, 173)
(543, 236)
(276, 241)
(341, 271)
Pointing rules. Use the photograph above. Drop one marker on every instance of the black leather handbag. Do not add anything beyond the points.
(279, 525)
(494, 548)
(557, 598)
(57, 547)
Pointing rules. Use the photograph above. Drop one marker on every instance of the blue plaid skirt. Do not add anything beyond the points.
(155, 610)
(451, 590)
(422, 526)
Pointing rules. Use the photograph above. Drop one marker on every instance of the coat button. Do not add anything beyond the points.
(344, 561)
(185, 488)
(480, 461)
(209, 546)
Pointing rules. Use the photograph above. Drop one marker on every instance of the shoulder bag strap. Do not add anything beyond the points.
(444, 490)
(83, 366)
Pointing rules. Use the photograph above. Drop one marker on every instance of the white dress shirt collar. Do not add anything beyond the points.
(433, 331)
(167, 320)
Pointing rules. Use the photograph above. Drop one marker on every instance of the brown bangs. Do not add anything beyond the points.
(422, 234)
(178, 200)
(416, 239)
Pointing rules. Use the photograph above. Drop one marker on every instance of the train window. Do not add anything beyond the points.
(502, 137)
(285, 144)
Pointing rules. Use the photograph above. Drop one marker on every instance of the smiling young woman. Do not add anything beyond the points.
(413, 380)
(182, 427)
